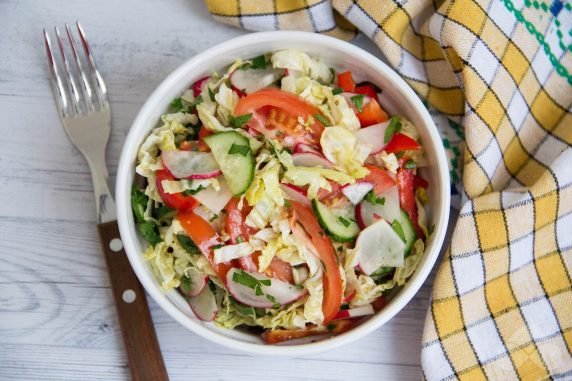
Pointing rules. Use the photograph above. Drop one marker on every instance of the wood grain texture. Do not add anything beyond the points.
(143, 352)
(57, 316)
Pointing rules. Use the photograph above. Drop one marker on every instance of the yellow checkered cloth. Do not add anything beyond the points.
(502, 301)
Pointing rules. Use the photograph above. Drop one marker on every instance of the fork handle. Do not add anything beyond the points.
(143, 352)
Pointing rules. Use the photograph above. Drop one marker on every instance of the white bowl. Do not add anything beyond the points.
(398, 97)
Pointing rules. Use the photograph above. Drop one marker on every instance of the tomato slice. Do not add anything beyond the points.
(332, 279)
(346, 82)
(420, 182)
(380, 179)
(280, 335)
(203, 133)
(275, 114)
(204, 237)
(177, 201)
(405, 178)
(366, 89)
(371, 114)
(401, 142)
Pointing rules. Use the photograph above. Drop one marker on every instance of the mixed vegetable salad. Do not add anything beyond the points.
(281, 196)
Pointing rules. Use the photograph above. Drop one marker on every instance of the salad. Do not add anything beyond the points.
(279, 196)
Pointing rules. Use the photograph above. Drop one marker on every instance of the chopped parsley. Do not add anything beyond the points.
(211, 94)
(393, 128)
(259, 62)
(192, 192)
(239, 149)
(322, 119)
(373, 199)
(177, 104)
(150, 231)
(186, 284)
(331, 327)
(242, 277)
(187, 244)
(139, 204)
(239, 121)
(337, 91)
(358, 101)
(240, 239)
(163, 212)
(410, 164)
(344, 221)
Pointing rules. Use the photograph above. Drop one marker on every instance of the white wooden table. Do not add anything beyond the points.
(57, 318)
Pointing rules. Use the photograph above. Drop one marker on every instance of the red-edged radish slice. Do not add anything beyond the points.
(295, 193)
(198, 86)
(308, 159)
(367, 213)
(250, 81)
(194, 283)
(350, 296)
(190, 164)
(373, 137)
(379, 245)
(306, 148)
(204, 304)
(355, 312)
(357, 191)
(271, 291)
(348, 97)
(214, 200)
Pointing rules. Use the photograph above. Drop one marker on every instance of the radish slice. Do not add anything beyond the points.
(306, 148)
(355, 312)
(311, 160)
(214, 200)
(295, 193)
(367, 213)
(198, 86)
(190, 164)
(356, 192)
(252, 80)
(204, 304)
(279, 291)
(379, 245)
(197, 281)
(348, 97)
(372, 137)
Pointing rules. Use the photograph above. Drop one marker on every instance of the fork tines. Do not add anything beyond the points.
(71, 98)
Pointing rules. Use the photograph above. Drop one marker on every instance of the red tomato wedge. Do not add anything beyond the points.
(346, 82)
(405, 179)
(332, 279)
(371, 114)
(401, 142)
(275, 114)
(235, 227)
(204, 237)
(380, 179)
(177, 201)
(203, 133)
(280, 335)
(366, 89)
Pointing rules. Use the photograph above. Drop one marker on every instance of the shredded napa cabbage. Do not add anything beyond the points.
(340, 147)
(313, 306)
(342, 113)
(301, 62)
(315, 178)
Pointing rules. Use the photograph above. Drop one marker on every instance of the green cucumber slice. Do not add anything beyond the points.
(233, 154)
(408, 231)
(340, 228)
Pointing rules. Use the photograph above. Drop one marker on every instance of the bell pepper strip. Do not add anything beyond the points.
(371, 114)
(204, 236)
(366, 89)
(401, 142)
(420, 182)
(346, 82)
(334, 328)
(203, 133)
(323, 248)
(380, 179)
(405, 178)
(178, 201)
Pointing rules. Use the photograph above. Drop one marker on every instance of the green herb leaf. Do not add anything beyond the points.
(399, 154)
(138, 204)
(150, 231)
(398, 229)
(259, 62)
(242, 308)
(214, 217)
(410, 164)
(287, 203)
(211, 94)
(192, 192)
(163, 212)
(198, 100)
(333, 73)
(393, 128)
(239, 121)
(239, 149)
(177, 104)
(344, 307)
(186, 284)
(358, 101)
(344, 222)
(323, 120)
(331, 327)
(245, 279)
(213, 287)
(337, 91)
(240, 239)
(373, 199)
(187, 244)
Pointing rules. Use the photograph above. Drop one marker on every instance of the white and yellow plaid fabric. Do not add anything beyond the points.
(502, 302)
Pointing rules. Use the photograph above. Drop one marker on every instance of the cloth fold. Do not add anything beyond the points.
(500, 71)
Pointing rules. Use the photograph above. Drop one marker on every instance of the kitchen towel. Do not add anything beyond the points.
(500, 71)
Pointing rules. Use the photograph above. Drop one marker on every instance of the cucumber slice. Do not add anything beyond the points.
(408, 231)
(233, 154)
(340, 228)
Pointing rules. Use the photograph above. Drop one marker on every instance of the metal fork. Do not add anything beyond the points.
(86, 117)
